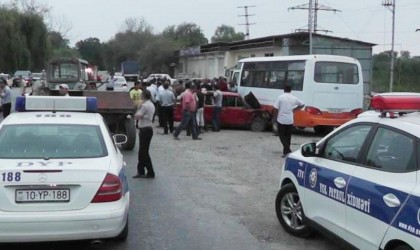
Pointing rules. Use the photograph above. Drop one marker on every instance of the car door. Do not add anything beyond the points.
(233, 115)
(328, 176)
(378, 190)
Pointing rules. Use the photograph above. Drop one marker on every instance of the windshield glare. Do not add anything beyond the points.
(31, 141)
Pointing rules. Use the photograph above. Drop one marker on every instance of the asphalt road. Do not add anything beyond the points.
(217, 193)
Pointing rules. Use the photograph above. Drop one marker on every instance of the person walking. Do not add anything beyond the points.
(167, 99)
(284, 107)
(6, 97)
(217, 108)
(189, 105)
(145, 115)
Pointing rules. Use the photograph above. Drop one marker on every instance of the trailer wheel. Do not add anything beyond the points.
(130, 131)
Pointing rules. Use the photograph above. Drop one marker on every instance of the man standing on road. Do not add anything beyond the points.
(135, 94)
(217, 108)
(111, 82)
(6, 97)
(167, 99)
(284, 107)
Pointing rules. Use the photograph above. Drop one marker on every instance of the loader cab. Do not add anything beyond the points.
(71, 71)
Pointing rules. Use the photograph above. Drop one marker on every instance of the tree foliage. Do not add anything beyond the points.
(225, 33)
(406, 68)
(26, 45)
(91, 50)
(185, 35)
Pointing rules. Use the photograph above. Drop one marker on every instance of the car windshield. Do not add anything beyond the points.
(36, 75)
(22, 73)
(33, 141)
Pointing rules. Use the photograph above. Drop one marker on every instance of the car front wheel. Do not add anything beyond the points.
(290, 212)
(402, 247)
(258, 124)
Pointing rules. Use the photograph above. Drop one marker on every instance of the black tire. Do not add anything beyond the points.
(130, 132)
(258, 124)
(323, 130)
(403, 247)
(274, 127)
(290, 212)
(123, 235)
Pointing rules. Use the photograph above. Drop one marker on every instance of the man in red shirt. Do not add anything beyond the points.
(189, 107)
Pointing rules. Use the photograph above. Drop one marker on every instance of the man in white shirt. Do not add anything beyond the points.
(153, 89)
(217, 107)
(111, 82)
(284, 107)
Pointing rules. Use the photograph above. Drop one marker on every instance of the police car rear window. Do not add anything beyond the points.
(32, 141)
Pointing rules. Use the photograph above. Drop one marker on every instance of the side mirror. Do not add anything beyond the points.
(119, 139)
(308, 149)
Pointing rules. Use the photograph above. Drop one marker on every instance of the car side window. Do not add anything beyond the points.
(391, 151)
(346, 145)
(228, 101)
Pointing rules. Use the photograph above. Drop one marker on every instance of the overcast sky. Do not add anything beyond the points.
(364, 20)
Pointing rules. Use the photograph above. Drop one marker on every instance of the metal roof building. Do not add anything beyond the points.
(214, 59)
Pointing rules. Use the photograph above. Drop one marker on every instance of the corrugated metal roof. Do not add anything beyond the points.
(270, 41)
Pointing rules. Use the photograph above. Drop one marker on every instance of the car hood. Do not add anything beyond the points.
(252, 101)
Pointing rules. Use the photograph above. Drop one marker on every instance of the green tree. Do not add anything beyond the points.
(185, 35)
(225, 33)
(24, 39)
(406, 68)
(91, 50)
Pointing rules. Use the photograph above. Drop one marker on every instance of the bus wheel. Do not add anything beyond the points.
(258, 124)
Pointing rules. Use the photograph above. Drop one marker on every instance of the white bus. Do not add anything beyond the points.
(330, 86)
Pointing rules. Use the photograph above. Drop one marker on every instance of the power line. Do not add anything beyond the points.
(390, 5)
(313, 7)
(247, 23)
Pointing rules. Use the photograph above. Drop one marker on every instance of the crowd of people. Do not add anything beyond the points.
(157, 99)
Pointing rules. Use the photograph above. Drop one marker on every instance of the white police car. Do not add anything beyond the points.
(362, 181)
(62, 176)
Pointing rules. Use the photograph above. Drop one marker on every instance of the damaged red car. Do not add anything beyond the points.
(237, 112)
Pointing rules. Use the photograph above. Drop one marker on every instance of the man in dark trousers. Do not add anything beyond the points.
(284, 107)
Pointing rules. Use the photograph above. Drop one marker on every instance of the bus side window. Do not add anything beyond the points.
(245, 79)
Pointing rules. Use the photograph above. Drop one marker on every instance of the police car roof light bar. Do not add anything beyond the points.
(396, 102)
(56, 103)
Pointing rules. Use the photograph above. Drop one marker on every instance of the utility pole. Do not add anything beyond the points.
(390, 5)
(247, 23)
(313, 7)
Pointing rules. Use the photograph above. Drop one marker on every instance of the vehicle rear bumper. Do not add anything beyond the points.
(97, 221)
(303, 119)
